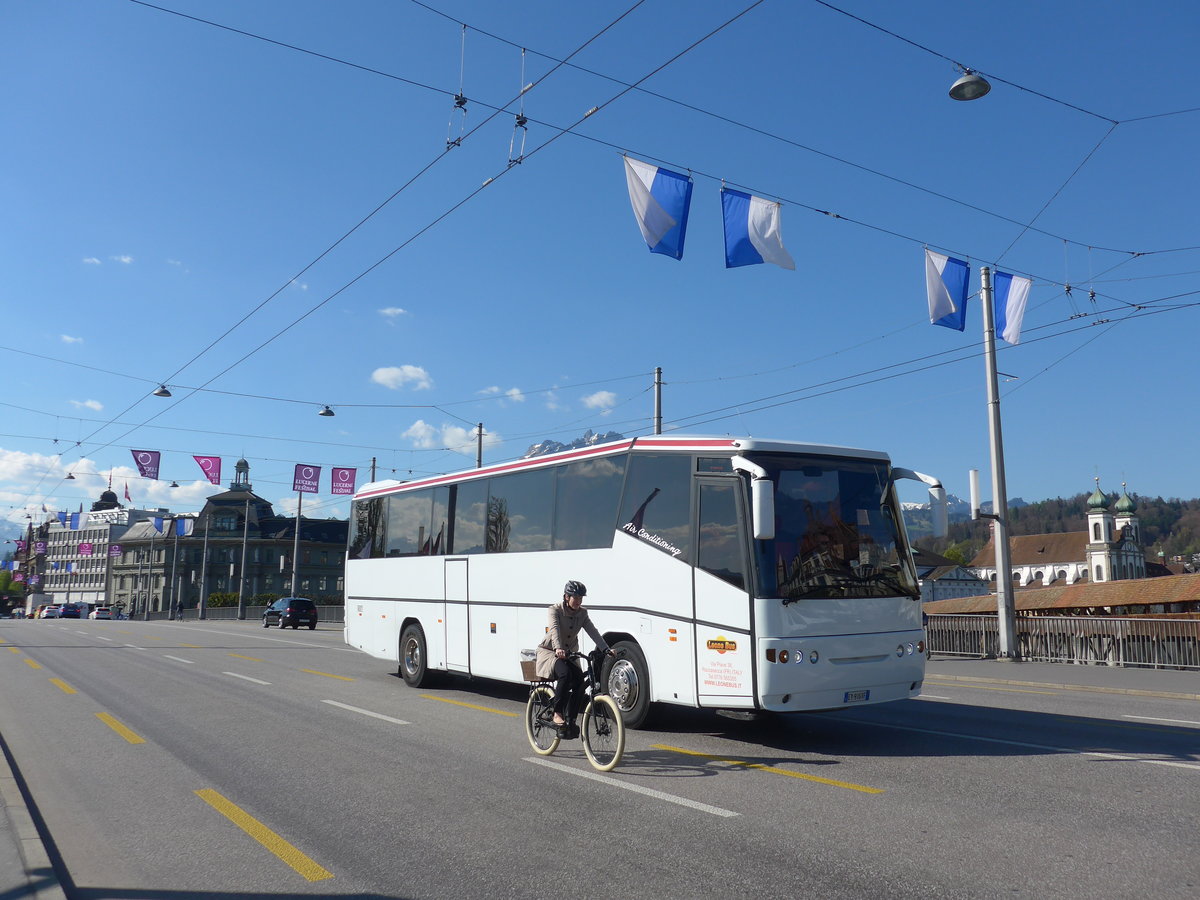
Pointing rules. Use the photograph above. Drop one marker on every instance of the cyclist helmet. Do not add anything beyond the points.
(575, 588)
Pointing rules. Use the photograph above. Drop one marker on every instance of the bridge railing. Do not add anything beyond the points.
(1091, 640)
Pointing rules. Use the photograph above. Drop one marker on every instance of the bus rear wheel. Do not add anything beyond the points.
(627, 681)
(414, 668)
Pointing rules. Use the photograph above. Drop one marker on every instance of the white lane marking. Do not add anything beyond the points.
(367, 712)
(134, 647)
(649, 792)
(104, 638)
(81, 632)
(1155, 719)
(247, 678)
(179, 659)
(987, 740)
(933, 697)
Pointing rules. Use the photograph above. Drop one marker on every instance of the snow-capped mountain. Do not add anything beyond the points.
(589, 439)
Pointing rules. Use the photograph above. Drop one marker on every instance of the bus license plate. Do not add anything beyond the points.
(856, 696)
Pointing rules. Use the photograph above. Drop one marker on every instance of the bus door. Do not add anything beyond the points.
(721, 580)
(456, 615)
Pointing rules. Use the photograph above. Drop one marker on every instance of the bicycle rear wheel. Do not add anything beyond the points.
(603, 733)
(539, 721)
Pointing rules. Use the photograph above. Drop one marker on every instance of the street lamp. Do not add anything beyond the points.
(971, 86)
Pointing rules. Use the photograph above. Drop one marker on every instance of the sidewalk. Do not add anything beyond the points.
(25, 869)
(1178, 684)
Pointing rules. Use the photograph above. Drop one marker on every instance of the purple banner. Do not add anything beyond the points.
(19, 576)
(342, 480)
(35, 579)
(114, 550)
(20, 546)
(211, 466)
(307, 479)
(85, 549)
(147, 462)
(40, 548)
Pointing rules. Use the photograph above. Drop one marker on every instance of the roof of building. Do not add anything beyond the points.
(1037, 549)
(1082, 595)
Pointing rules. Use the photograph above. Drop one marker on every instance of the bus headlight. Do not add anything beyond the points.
(910, 648)
(900, 650)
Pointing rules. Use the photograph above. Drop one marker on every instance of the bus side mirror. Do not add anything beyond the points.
(763, 503)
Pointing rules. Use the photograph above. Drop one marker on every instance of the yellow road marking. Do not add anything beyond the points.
(499, 712)
(3, 641)
(251, 658)
(63, 686)
(773, 770)
(32, 663)
(14, 649)
(979, 687)
(120, 729)
(265, 836)
(326, 674)
(192, 646)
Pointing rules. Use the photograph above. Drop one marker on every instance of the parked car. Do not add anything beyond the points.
(69, 611)
(101, 612)
(49, 612)
(294, 611)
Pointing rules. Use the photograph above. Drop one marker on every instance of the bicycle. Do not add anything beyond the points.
(603, 730)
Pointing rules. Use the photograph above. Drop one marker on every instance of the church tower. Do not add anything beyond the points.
(1101, 533)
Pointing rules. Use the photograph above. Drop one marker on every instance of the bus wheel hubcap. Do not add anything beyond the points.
(623, 684)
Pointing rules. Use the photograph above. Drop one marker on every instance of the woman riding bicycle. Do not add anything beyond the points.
(562, 638)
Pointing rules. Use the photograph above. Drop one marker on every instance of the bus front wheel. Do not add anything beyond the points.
(627, 681)
(413, 661)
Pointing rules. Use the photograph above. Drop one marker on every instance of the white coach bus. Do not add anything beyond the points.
(737, 574)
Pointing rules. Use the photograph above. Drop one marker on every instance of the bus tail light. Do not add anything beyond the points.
(770, 655)
(783, 656)
(921, 647)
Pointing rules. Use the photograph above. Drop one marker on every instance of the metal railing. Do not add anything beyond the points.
(1089, 640)
(326, 615)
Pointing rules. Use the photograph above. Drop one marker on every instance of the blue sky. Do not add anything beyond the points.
(163, 179)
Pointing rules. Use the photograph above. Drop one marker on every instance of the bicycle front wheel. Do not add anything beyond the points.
(539, 721)
(603, 733)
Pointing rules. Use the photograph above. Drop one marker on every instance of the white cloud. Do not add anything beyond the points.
(395, 377)
(515, 395)
(600, 400)
(91, 261)
(422, 434)
(393, 312)
(450, 437)
(88, 404)
(174, 262)
(67, 339)
(124, 258)
(552, 403)
(490, 391)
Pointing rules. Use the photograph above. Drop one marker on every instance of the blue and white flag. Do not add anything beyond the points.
(75, 521)
(752, 231)
(62, 519)
(661, 201)
(1011, 294)
(183, 527)
(946, 281)
(158, 524)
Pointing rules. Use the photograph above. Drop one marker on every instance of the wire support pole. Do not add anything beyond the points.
(658, 400)
(1006, 624)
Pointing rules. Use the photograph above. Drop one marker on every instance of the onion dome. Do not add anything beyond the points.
(1098, 500)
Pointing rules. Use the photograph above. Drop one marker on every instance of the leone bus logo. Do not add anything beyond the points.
(722, 645)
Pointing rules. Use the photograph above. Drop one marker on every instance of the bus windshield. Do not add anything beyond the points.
(838, 532)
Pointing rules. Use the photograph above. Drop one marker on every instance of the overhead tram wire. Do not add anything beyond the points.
(665, 98)
(370, 215)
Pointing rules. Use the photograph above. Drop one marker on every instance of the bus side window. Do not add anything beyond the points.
(657, 506)
(586, 499)
(719, 540)
(409, 516)
(470, 516)
(368, 525)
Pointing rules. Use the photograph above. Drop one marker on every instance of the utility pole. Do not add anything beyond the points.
(658, 400)
(1005, 615)
(479, 446)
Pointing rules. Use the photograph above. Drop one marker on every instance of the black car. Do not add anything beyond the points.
(294, 611)
(69, 611)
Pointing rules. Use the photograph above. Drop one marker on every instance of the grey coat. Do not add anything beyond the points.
(562, 633)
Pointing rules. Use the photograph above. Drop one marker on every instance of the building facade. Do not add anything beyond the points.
(236, 544)
(1110, 549)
